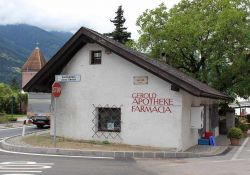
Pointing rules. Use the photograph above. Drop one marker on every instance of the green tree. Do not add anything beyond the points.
(8, 95)
(14, 84)
(22, 100)
(208, 39)
(120, 33)
(5, 97)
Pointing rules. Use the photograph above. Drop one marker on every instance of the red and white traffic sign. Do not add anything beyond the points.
(56, 89)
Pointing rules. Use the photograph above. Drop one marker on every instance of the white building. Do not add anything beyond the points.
(241, 106)
(125, 97)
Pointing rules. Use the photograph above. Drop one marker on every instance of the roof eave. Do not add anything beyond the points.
(125, 54)
(215, 96)
(27, 87)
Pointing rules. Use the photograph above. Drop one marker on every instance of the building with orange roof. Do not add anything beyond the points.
(34, 63)
(38, 103)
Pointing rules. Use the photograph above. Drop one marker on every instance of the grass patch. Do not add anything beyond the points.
(5, 118)
(45, 140)
(16, 115)
(105, 142)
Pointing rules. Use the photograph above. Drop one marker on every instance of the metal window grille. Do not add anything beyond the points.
(106, 122)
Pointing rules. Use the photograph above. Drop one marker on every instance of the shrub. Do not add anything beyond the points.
(243, 127)
(237, 121)
(12, 119)
(235, 133)
(105, 142)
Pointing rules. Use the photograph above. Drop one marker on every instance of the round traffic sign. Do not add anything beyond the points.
(56, 89)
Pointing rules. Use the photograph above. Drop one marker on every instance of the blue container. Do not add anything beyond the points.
(203, 141)
(212, 141)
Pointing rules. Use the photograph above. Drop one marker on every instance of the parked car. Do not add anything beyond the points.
(38, 110)
(40, 121)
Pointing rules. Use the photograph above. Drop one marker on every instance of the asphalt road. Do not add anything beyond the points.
(47, 165)
(16, 131)
(71, 166)
(236, 162)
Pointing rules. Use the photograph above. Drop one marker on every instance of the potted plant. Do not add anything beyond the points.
(234, 134)
(244, 129)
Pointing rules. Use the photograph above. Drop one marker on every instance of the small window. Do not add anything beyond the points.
(109, 119)
(96, 57)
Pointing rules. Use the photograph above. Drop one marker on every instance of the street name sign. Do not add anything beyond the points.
(68, 78)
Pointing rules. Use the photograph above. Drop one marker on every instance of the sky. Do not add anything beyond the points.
(70, 15)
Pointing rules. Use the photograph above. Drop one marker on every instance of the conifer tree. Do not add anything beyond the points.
(120, 33)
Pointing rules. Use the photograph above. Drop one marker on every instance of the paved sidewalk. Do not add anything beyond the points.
(222, 146)
(207, 150)
(16, 144)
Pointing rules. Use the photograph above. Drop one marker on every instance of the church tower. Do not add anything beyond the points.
(34, 63)
(38, 103)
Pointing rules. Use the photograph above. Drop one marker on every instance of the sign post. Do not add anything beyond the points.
(56, 92)
(24, 125)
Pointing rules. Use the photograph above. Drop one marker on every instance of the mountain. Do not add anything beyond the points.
(18, 41)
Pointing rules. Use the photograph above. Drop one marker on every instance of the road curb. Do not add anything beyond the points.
(92, 153)
(223, 152)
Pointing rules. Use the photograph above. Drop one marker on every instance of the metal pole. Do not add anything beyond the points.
(24, 125)
(12, 105)
(55, 123)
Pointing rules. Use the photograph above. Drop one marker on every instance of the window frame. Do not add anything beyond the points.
(94, 60)
(103, 127)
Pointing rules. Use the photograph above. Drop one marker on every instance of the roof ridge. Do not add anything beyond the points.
(153, 61)
(164, 71)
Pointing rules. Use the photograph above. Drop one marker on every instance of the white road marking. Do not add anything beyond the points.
(19, 171)
(23, 167)
(236, 154)
(38, 164)
(25, 162)
(172, 164)
(10, 128)
(230, 160)
(17, 174)
(54, 155)
(16, 128)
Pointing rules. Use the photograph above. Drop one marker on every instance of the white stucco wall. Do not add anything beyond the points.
(190, 135)
(111, 83)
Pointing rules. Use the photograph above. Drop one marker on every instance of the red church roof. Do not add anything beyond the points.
(35, 62)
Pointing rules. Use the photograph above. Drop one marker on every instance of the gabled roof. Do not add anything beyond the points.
(35, 62)
(43, 80)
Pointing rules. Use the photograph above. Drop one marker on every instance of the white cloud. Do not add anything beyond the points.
(70, 15)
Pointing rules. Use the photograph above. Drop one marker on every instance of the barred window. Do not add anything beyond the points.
(109, 119)
(96, 57)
